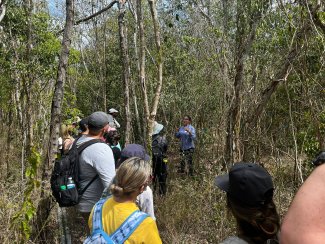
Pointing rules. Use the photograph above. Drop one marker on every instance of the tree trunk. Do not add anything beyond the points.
(2, 9)
(59, 91)
(159, 63)
(9, 139)
(133, 84)
(28, 81)
(244, 43)
(280, 76)
(142, 73)
(42, 211)
(126, 68)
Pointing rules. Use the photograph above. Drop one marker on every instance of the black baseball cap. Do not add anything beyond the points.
(248, 183)
(135, 150)
(83, 124)
(320, 159)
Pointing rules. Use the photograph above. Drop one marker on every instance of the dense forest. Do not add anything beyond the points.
(250, 73)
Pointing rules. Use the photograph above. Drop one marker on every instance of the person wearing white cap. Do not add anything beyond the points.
(113, 113)
(159, 149)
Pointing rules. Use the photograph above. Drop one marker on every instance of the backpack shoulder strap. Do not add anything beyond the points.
(86, 144)
(128, 227)
(97, 224)
(82, 147)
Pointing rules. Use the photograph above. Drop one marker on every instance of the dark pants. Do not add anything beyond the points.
(159, 174)
(187, 159)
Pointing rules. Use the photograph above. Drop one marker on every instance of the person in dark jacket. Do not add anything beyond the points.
(159, 160)
(112, 138)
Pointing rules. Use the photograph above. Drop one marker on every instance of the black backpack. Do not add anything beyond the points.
(157, 146)
(65, 167)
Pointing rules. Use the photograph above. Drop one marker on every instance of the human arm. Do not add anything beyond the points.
(178, 133)
(165, 144)
(305, 219)
(191, 132)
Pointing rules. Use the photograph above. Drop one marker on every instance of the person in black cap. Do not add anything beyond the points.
(304, 221)
(320, 159)
(83, 126)
(112, 139)
(249, 189)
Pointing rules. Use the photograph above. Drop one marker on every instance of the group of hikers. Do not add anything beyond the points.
(116, 200)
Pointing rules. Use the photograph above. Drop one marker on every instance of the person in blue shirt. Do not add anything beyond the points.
(187, 135)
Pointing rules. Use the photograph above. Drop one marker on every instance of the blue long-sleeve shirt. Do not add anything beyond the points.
(187, 139)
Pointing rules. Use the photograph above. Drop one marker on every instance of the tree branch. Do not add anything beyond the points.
(280, 76)
(92, 16)
(96, 14)
(205, 15)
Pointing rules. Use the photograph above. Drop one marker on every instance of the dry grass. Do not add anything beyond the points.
(193, 211)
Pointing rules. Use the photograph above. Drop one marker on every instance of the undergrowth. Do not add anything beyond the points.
(193, 211)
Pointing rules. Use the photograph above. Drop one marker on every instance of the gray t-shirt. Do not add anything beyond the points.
(95, 159)
(234, 240)
(145, 202)
(237, 240)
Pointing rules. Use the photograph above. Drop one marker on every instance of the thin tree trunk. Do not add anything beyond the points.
(142, 74)
(2, 9)
(27, 81)
(244, 44)
(105, 72)
(59, 90)
(133, 84)
(159, 63)
(126, 68)
(9, 139)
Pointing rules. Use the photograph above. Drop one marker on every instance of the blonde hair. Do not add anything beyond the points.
(130, 176)
(66, 131)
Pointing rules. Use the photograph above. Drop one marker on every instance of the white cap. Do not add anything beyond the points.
(112, 110)
(157, 128)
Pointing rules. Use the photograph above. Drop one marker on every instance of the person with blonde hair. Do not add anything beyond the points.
(118, 218)
(145, 199)
(67, 139)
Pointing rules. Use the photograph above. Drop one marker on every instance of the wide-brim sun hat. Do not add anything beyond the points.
(157, 128)
(112, 110)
